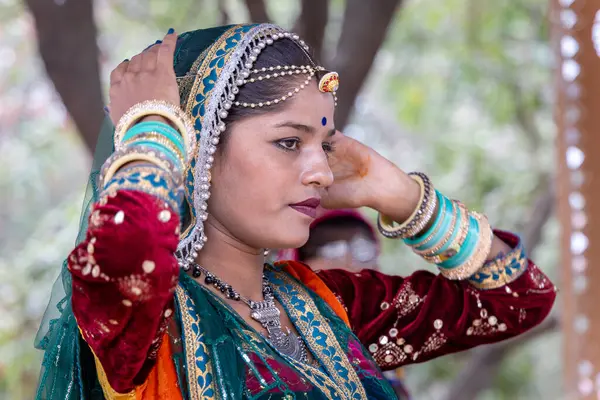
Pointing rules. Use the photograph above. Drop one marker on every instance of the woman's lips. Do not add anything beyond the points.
(310, 211)
(307, 207)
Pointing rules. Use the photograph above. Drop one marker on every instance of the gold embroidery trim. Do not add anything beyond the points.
(191, 342)
(330, 337)
(109, 392)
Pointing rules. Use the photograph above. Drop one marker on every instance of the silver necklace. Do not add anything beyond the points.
(264, 312)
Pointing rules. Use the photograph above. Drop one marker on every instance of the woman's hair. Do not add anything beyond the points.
(283, 52)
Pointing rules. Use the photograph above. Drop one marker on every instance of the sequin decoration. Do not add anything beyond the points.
(407, 300)
(486, 325)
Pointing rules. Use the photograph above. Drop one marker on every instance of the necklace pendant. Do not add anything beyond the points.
(268, 315)
(265, 312)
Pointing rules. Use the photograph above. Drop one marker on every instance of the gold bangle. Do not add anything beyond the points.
(164, 109)
(433, 233)
(139, 153)
(425, 216)
(388, 224)
(126, 159)
(481, 253)
(419, 217)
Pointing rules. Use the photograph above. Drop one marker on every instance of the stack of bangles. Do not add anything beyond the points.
(458, 240)
(151, 143)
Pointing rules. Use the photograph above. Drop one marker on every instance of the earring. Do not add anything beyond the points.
(266, 253)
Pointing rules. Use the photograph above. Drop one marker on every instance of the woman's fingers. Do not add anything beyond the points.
(135, 65)
(149, 58)
(166, 50)
(117, 74)
(148, 76)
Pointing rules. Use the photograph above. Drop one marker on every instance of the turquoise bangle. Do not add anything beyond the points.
(152, 126)
(454, 233)
(159, 127)
(160, 148)
(467, 248)
(417, 239)
(444, 228)
(163, 129)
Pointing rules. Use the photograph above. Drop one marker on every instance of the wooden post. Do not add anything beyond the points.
(578, 150)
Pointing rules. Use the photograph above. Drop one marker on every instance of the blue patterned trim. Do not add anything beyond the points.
(317, 333)
(148, 179)
(502, 270)
(201, 379)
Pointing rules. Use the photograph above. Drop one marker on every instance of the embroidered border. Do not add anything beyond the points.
(151, 180)
(198, 366)
(502, 270)
(196, 100)
(318, 334)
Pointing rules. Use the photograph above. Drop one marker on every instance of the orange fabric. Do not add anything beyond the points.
(306, 275)
(162, 383)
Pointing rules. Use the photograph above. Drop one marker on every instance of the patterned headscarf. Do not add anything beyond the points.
(211, 64)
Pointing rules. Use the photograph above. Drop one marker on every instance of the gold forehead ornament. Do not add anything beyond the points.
(329, 83)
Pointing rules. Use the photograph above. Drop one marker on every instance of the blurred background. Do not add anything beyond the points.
(462, 89)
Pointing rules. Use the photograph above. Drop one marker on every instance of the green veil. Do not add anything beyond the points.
(209, 64)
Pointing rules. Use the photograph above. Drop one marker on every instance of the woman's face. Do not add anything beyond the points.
(272, 163)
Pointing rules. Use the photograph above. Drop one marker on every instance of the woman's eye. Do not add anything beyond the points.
(289, 144)
(328, 147)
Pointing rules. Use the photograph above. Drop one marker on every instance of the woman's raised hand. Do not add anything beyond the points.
(364, 178)
(147, 76)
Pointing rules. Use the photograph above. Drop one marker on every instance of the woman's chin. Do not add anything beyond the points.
(292, 238)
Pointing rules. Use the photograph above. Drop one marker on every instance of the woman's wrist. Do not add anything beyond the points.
(156, 118)
(398, 198)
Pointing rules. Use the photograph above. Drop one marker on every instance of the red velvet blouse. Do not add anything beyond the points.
(124, 275)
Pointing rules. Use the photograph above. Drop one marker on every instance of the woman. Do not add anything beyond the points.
(344, 239)
(241, 169)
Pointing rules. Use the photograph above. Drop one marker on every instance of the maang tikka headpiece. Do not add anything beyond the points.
(230, 60)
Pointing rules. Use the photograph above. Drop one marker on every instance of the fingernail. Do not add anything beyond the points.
(171, 30)
(158, 42)
(125, 60)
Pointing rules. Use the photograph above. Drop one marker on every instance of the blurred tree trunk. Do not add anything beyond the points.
(67, 42)
(257, 10)
(66, 34)
(311, 24)
(363, 32)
